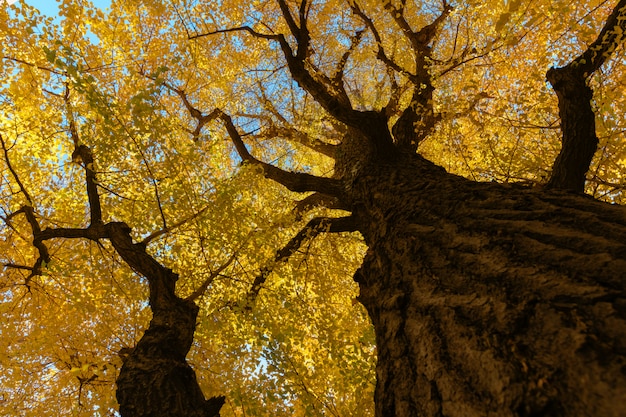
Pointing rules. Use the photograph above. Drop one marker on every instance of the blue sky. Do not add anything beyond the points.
(49, 7)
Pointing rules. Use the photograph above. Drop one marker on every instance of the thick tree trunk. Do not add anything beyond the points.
(491, 300)
(156, 380)
(578, 125)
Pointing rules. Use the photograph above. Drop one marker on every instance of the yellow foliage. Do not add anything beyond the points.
(307, 348)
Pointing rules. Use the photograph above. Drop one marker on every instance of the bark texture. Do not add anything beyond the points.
(578, 125)
(491, 300)
(155, 379)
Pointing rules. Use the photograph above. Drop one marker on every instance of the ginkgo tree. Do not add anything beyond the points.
(313, 208)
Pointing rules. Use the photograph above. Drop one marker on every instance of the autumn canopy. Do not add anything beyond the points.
(313, 208)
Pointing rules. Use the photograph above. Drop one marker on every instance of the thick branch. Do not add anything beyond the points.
(155, 378)
(418, 119)
(318, 200)
(44, 255)
(83, 153)
(294, 181)
(354, 43)
(578, 126)
(312, 229)
(611, 35)
(328, 93)
(334, 100)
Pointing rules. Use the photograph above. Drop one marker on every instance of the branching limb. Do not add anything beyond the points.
(159, 357)
(381, 54)
(13, 172)
(318, 200)
(341, 65)
(300, 32)
(418, 119)
(40, 236)
(214, 274)
(326, 92)
(201, 118)
(312, 229)
(44, 255)
(238, 29)
(168, 229)
(291, 133)
(162, 281)
(611, 35)
(30, 64)
(294, 181)
(83, 153)
(579, 141)
(285, 129)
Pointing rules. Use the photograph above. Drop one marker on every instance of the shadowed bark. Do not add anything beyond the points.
(486, 299)
(489, 300)
(156, 380)
(579, 141)
(578, 124)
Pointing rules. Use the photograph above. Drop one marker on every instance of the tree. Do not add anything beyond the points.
(487, 296)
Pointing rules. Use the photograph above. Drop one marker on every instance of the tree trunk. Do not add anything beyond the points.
(156, 379)
(491, 300)
(578, 125)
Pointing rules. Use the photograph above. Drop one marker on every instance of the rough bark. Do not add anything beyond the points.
(579, 140)
(491, 300)
(155, 379)
(486, 299)
(578, 125)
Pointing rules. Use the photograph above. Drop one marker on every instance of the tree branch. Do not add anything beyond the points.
(14, 173)
(373, 124)
(418, 119)
(302, 138)
(287, 130)
(317, 200)
(354, 43)
(44, 255)
(611, 35)
(202, 119)
(294, 181)
(83, 153)
(214, 274)
(312, 229)
(168, 229)
(381, 54)
(237, 29)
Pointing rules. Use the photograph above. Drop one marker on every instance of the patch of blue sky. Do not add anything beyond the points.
(51, 7)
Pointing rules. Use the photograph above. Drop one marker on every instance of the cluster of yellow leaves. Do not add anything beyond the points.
(306, 348)
(65, 329)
